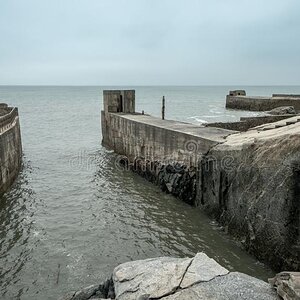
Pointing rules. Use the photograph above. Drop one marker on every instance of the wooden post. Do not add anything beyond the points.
(163, 108)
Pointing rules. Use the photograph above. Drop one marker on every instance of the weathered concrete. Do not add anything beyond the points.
(165, 152)
(246, 123)
(283, 110)
(236, 101)
(255, 191)
(169, 278)
(248, 181)
(10, 146)
(237, 93)
(286, 95)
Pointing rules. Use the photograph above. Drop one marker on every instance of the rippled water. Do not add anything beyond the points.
(73, 215)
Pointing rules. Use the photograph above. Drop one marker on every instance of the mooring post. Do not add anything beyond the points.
(163, 108)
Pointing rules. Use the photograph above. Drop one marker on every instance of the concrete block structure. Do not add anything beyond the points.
(239, 100)
(119, 101)
(10, 146)
(237, 93)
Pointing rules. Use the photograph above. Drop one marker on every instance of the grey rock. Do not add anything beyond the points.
(86, 293)
(153, 278)
(283, 110)
(105, 290)
(177, 278)
(235, 286)
(68, 296)
(83, 294)
(202, 269)
(198, 278)
(99, 298)
(287, 285)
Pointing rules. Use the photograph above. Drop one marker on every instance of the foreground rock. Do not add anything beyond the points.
(104, 290)
(177, 278)
(283, 110)
(287, 285)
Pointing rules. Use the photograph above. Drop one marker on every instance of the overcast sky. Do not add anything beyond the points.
(150, 42)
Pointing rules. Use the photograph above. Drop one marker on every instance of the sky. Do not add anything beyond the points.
(149, 42)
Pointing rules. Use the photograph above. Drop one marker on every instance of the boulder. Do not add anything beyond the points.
(235, 286)
(287, 285)
(105, 290)
(202, 269)
(152, 278)
(283, 110)
(182, 278)
(169, 278)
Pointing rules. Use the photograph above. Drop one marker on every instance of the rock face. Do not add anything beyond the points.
(180, 278)
(283, 110)
(153, 278)
(176, 179)
(287, 285)
(104, 290)
(251, 184)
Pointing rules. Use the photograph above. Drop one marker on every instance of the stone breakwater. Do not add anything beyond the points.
(10, 146)
(169, 278)
(247, 181)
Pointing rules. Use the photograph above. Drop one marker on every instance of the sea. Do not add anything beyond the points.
(73, 214)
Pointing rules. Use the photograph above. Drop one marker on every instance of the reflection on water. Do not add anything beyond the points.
(72, 216)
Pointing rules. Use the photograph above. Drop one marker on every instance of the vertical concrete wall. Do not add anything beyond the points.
(250, 184)
(117, 101)
(236, 101)
(158, 154)
(10, 147)
(165, 152)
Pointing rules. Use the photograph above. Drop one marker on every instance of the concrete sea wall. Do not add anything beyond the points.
(262, 103)
(10, 146)
(164, 152)
(248, 181)
(246, 123)
(256, 198)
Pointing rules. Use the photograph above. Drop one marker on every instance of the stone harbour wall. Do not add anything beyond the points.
(10, 146)
(161, 151)
(256, 196)
(261, 103)
(247, 181)
(246, 123)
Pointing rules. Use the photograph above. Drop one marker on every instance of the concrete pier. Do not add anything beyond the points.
(239, 100)
(10, 146)
(247, 180)
(166, 152)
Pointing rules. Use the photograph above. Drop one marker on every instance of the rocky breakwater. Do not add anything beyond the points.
(168, 278)
(10, 146)
(255, 195)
